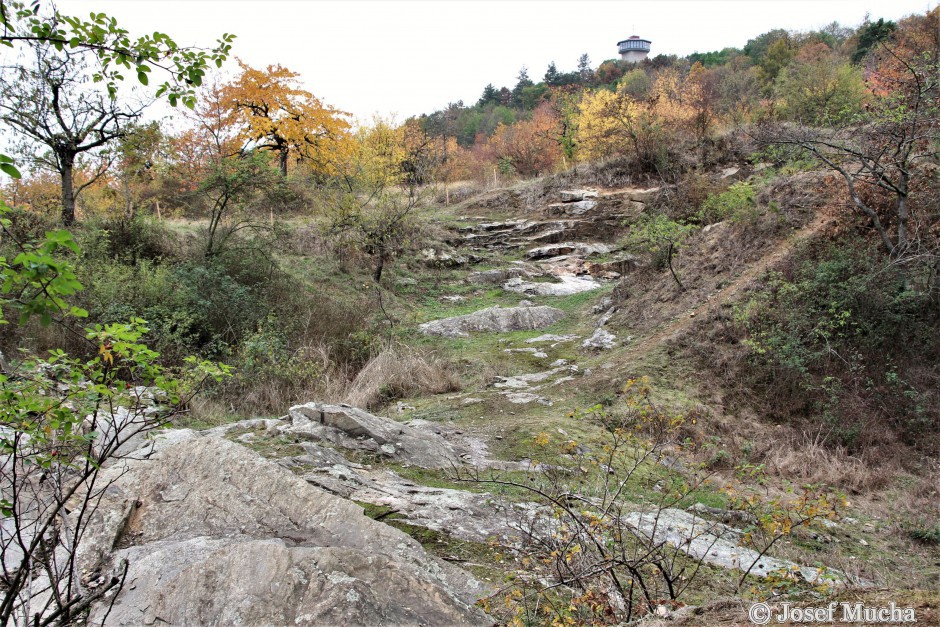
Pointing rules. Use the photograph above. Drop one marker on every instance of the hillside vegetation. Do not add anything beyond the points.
(729, 268)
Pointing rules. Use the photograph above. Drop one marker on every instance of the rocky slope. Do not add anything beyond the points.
(262, 522)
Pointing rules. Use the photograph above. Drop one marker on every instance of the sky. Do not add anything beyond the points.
(403, 58)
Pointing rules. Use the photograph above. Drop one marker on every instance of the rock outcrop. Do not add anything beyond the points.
(718, 544)
(568, 248)
(352, 428)
(564, 286)
(494, 319)
(602, 339)
(215, 534)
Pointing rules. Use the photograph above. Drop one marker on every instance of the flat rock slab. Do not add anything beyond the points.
(568, 248)
(565, 286)
(550, 337)
(216, 534)
(524, 398)
(352, 428)
(535, 352)
(577, 208)
(575, 195)
(718, 544)
(494, 319)
(471, 516)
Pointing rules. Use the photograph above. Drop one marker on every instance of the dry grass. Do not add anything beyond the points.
(399, 372)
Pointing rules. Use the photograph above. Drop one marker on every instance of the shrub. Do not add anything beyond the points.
(844, 327)
(737, 203)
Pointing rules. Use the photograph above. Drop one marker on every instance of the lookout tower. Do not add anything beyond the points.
(634, 49)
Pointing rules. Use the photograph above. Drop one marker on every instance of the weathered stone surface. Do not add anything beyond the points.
(215, 534)
(716, 543)
(353, 428)
(565, 286)
(524, 398)
(494, 319)
(551, 337)
(602, 339)
(471, 516)
(535, 352)
(442, 258)
(571, 208)
(523, 381)
(568, 248)
(499, 275)
(574, 195)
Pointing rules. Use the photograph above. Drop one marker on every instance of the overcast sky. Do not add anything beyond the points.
(408, 58)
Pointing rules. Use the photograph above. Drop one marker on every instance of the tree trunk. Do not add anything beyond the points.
(671, 269)
(284, 153)
(68, 196)
(379, 266)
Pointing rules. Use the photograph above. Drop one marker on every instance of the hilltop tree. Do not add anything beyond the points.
(278, 116)
(869, 37)
(52, 104)
(552, 75)
(490, 94)
(584, 69)
(522, 81)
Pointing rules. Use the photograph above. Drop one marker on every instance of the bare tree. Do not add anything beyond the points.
(51, 103)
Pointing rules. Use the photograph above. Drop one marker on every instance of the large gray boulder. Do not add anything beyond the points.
(215, 534)
(352, 428)
(494, 319)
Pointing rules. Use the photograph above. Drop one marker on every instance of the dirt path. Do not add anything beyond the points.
(753, 271)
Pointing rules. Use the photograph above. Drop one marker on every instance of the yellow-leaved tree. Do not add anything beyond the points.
(380, 181)
(278, 116)
(616, 123)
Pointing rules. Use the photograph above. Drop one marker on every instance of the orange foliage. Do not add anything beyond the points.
(529, 146)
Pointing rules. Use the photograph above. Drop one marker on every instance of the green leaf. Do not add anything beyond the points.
(142, 77)
(9, 170)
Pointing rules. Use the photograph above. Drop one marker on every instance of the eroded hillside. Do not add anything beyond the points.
(565, 418)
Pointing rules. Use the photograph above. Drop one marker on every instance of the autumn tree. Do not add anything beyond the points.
(530, 146)
(52, 104)
(371, 203)
(277, 115)
(219, 175)
(817, 87)
(614, 123)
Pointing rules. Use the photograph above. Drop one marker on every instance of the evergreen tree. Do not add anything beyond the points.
(552, 75)
(490, 94)
(869, 37)
(522, 81)
(584, 69)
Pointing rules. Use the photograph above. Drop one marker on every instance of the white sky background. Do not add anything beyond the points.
(407, 58)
